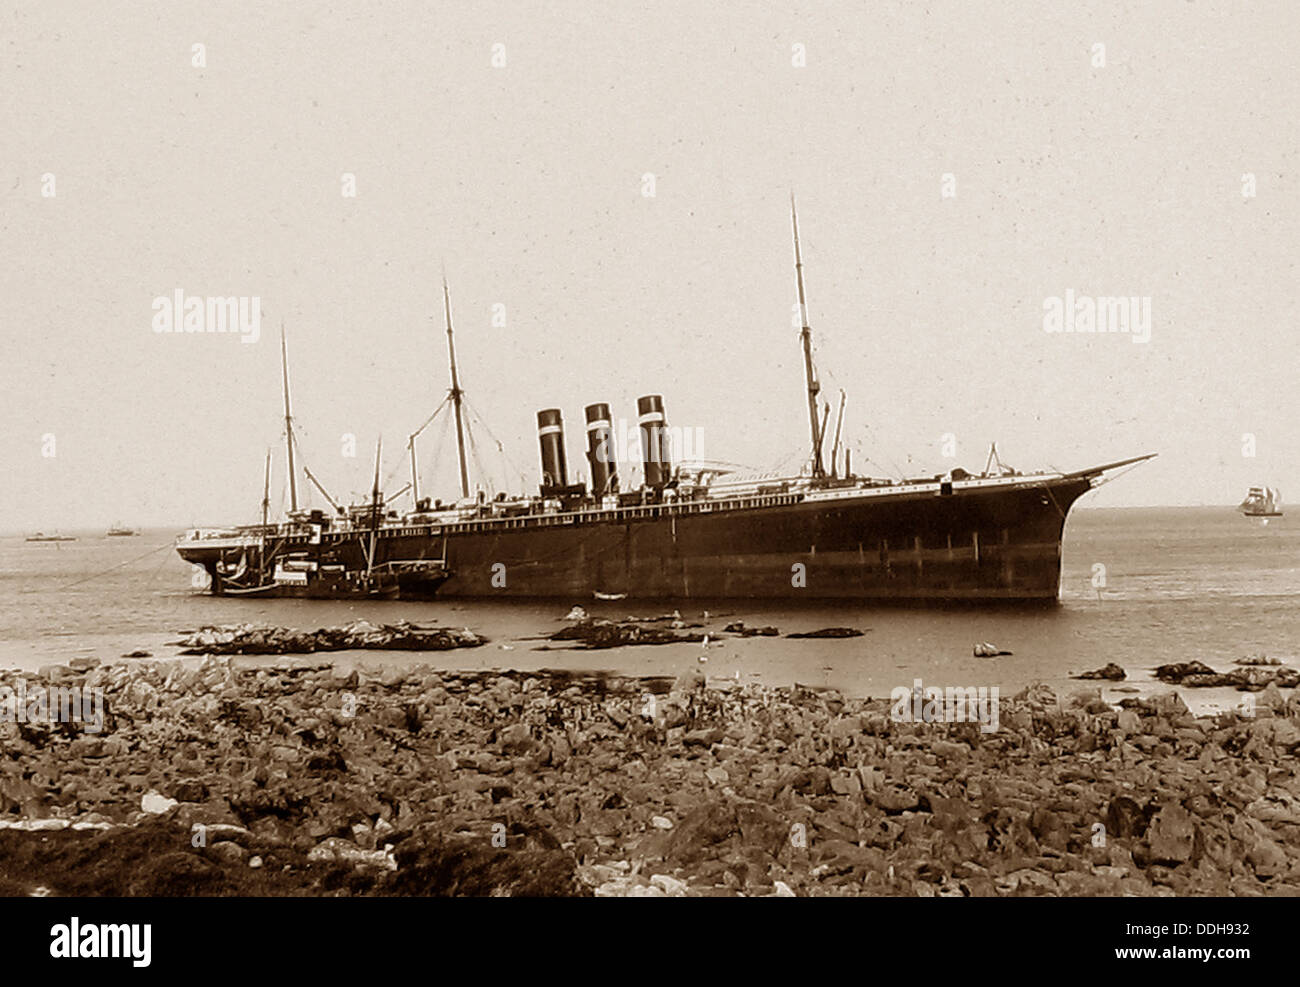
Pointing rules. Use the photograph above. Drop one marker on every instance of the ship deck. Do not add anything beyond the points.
(436, 525)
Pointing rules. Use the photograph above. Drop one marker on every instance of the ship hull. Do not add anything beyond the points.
(982, 544)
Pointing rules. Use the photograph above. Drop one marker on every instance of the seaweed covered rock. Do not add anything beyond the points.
(249, 639)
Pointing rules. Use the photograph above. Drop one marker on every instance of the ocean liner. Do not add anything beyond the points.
(685, 531)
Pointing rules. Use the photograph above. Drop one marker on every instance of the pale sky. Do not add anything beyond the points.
(526, 180)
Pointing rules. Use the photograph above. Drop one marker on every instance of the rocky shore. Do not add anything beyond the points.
(215, 778)
(360, 635)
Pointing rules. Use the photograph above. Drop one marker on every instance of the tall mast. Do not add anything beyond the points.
(288, 423)
(805, 336)
(456, 392)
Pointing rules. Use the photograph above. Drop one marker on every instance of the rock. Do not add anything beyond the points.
(702, 827)
(1258, 660)
(1271, 698)
(1172, 835)
(534, 865)
(517, 739)
(1110, 671)
(895, 798)
(87, 747)
(246, 639)
(689, 682)
(83, 664)
(1267, 858)
(986, 650)
(703, 738)
(828, 632)
(177, 875)
(190, 790)
(1175, 672)
(1125, 818)
(670, 886)
(596, 633)
(231, 853)
(155, 803)
(580, 782)
(738, 627)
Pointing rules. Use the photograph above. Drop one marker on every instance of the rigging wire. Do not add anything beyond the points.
(512, 468)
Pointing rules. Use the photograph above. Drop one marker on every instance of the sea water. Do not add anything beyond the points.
(1139, 587)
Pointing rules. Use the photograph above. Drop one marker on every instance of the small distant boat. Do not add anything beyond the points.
(41, 536)
(609, 596)
(117, 531)
(1262, 502)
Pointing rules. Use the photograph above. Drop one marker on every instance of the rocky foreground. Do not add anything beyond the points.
(212, 778)
(359, 635)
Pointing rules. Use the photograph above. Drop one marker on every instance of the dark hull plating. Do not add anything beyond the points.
(976, 544)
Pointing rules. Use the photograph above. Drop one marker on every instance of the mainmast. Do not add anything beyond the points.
(805, 336)
(456, 393)
(288, 423)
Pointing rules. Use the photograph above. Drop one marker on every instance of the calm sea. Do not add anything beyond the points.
(1179, 584)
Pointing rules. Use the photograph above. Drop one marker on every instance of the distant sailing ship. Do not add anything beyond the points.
(1263, 502)
(41, 536)
(117, 531)
(687, 530)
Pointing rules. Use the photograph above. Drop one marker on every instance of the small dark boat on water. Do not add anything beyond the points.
(41, 536)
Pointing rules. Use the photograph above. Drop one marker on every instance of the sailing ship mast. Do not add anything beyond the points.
(805, 336)
(288, 423)
(455, 394)
(1262, 502)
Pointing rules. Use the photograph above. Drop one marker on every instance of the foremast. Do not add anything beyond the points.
(805, 337)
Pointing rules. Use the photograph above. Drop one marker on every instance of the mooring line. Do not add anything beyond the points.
(96, 575)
